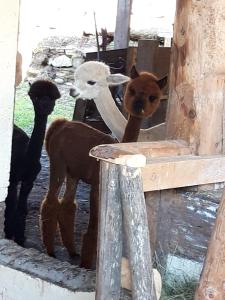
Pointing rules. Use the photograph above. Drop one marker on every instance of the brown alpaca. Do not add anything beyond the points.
(68, 144)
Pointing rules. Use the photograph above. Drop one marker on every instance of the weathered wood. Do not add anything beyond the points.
(110, 235)
(131, 58)
(146, 54)
(137, 234)
(79, 110)
(149, 149)
(212, 279)
(197, 84)
(122, 31)
(164, 166)
(174, 172)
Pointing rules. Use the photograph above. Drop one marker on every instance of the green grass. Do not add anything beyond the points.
(24, 112)
(178, 289)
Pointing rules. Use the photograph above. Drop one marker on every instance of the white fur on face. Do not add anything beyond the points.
(92, 77)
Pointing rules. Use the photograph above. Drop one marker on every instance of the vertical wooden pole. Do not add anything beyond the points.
(122, 31)
(137, 233)
(196, 99)
(212, 281)
(110, 235)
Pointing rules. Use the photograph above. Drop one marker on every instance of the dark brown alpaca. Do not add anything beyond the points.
(68, 144)
(25, 159)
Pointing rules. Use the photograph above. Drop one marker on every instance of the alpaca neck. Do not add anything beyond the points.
(132, 130)
(115, 120)
(37, 138)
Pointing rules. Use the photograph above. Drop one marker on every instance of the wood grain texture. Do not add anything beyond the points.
(122, 30)
(212, 281)
(114, 152)
(174, 172)
(196, 99)
(110, 235)
(137, 233)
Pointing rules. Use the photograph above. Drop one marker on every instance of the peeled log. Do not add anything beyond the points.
(197, 81)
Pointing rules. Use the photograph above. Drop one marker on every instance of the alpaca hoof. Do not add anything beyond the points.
(74, 254)
(52, 255)
(20, 241)
(87, 265)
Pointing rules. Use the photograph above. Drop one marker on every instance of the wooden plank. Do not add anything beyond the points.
(110, 235)
(122, 31)
(146, 54)
(211, 284)
(174, 172)
(137, 234)
(114, 152)
(131, 58)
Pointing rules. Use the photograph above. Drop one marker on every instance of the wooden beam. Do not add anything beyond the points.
(116, 153)
(165, 165)
(122, 31)
(211, 284)
(174, 172)
(137, 233)
(110, 235)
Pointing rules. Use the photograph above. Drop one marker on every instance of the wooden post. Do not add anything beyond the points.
(146, 54)
(137, 233)
(79, 110)
(197, 83)
(110, 235)
(122, 31)
(212, 282)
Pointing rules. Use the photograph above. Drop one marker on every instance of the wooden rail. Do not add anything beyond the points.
(127, 170)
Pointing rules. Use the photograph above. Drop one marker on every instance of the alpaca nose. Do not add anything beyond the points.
(73, 92)
(138, 106)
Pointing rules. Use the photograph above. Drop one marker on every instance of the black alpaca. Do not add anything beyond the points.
(25, 160)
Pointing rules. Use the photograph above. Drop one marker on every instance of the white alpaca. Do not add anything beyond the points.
(92, 80)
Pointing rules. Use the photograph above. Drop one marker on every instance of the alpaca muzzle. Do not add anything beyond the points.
(74, 93)
(138, 106)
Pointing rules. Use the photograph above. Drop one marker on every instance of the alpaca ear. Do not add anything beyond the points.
(117, 79)
(133, 72)
(162, 82)
(56, 93)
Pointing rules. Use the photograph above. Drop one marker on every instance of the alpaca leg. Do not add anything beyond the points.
(89, 246)
(10, 208)
(21, 212)
(66, 215)
(50, 208)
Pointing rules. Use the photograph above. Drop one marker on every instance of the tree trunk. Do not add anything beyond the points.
(195, 111)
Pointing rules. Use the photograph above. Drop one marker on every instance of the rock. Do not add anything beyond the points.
(61, 61)
(126, 278)
(59, 80)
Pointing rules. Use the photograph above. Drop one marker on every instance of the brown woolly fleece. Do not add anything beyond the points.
(68, 144)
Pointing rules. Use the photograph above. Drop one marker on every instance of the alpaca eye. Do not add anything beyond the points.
(152, 98)
(131, 91)
(91, 82)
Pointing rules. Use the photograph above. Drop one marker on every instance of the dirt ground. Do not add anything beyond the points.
(32, 225)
